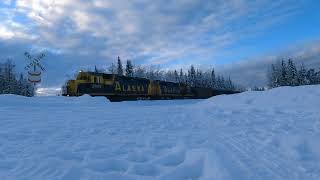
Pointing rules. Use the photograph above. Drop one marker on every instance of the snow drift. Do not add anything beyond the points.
(253, 135)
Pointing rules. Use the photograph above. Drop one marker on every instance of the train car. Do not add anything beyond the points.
(122, 88)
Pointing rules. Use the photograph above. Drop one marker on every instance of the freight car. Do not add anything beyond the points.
(121, 88)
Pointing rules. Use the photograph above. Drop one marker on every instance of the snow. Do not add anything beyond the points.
(253, 135)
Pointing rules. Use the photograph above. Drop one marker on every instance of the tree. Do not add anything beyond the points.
(272, 77)
(139, 71)
(291, 75)
(229, 85)
(176, 76)
(112, 69)
(302, 76)
(213, 78)
(311, 76)
(283, 78)
(318, 77)
(199, 78)
(192, 76)
(181, 76)
(283, 74)
(10, 85)
(120, 68)
(129, 69)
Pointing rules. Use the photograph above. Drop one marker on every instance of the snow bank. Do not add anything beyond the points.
(294, 98)
(253, 135)
(44, 101)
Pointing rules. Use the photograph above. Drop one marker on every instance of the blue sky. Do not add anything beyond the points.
(231, 34)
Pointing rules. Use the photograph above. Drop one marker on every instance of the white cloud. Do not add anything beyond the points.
(160, 31)
(140, 27)
(52, 91)
(253, 71)
(5, 33)
(7, 2)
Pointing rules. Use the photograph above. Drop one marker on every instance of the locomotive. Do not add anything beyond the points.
(122, 88)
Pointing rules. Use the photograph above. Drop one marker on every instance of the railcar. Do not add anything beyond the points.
(122, 88)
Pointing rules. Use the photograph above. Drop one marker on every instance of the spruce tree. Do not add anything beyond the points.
(291, 75)
(181, 76)
(302, 76)
(272, 77)
(213, 79)
(9, 84)
(311, 76)
(192, 76)
(129, 69)
(176, 76)
(120, 68)
(112, 68)
(283, 78)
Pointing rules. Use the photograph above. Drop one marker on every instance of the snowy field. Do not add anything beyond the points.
(253, 135)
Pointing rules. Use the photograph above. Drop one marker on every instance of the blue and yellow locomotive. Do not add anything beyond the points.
(122, 88)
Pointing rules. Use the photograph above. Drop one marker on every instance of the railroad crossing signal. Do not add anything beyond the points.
(34, 68)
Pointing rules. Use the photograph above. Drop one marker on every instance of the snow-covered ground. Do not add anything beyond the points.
(253, 135)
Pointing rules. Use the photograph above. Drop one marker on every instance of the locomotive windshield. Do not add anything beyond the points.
(82, 76)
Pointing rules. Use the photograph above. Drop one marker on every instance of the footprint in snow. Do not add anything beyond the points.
(145, 170)
(111, 165)
(172, 159)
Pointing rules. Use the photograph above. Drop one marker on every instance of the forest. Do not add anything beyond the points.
(286, 73)
(193, 76)
(12, 82)
(281, 73)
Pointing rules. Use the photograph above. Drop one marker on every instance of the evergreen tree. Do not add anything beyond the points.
(287, 75)
(176, 76)
(112, 69)
(218, 82)
(198, 78)
(140, 72)
(302, 76)
(213, 78)
(192, 76)
(181, 76)
(129, 69)
(291, 75)
(120, 68)
(311, 76)
(283, 78)
(10, 85)
(223, 82)
(2, 81)
(272, 77)
(229, 85)
(318, 77)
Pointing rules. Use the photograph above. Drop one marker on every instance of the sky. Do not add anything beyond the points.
(239, 38)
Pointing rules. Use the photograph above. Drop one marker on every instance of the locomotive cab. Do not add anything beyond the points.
(69, 89)
(91, 83)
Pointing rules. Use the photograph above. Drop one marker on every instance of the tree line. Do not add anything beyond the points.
(286, 73)
(193, 77)
(12, 83)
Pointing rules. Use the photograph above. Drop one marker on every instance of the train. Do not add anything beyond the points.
(122, 88)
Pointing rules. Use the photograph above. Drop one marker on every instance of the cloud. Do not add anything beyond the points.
(7, 2)
(253, 71)
(5, 34)
(138, 27)
(48, 91)
(78, 34)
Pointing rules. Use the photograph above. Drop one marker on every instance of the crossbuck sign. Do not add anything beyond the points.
(34, 68)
